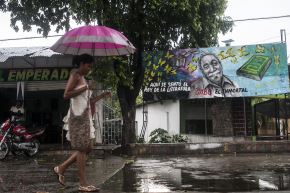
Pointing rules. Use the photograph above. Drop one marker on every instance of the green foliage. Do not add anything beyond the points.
(124, 72)
(113, 71)
(139, 99)
(179, 139)
(113, 103)
(140, 140)
(159, 136)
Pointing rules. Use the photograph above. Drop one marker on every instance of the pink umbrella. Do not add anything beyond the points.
(94, 40)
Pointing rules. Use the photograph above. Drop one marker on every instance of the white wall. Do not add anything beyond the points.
(212, 139)
(98, 116)
(165, 115)
(139, 119)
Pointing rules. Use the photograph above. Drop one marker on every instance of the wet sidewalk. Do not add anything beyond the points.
(31, 175)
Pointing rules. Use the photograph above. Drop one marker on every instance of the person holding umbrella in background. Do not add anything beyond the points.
(79, 121)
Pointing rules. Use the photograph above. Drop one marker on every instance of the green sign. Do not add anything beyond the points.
(35, 74)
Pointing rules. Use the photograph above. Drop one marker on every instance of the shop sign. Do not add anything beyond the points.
(235, 71)
(35, 74)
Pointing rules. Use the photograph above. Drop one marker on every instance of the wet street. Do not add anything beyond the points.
(215, 173)
(204, 173)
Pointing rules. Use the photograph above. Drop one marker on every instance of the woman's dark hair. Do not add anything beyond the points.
(84, 58)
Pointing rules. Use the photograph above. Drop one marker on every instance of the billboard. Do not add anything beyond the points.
(237, 71)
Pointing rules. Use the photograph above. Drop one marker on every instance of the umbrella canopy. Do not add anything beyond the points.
(94, 40)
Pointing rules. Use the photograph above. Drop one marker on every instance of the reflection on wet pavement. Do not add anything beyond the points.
(215, 173)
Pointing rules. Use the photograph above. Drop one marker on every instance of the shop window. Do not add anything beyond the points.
(197, 126)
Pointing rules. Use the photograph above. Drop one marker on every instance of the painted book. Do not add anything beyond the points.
(255, 68)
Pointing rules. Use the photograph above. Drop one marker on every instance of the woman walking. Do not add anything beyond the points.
(79, 121)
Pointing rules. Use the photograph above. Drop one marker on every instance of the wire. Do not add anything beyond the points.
(261, 18)
(270, 38)
(27, 38)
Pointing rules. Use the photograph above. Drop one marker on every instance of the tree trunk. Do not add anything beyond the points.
(127, 97)
(128, 128)
(127, 102)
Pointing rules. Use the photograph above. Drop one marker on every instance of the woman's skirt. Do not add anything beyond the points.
(79, 128)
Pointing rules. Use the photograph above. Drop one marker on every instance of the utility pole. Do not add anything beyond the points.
(285, 130)
(283, 35)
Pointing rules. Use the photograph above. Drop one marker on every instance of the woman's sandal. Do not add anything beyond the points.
(89, 188)
(60, 177)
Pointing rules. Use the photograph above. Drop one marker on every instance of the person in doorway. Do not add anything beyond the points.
(79, 122)
(17, 111)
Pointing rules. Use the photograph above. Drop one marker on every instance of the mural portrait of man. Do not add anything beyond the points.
(213, 83)
(232, 71)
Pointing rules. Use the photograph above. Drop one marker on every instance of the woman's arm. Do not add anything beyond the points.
(95, 99)
(73, 81)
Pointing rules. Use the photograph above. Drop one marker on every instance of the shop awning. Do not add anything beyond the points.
(6, 53)
(32, 57)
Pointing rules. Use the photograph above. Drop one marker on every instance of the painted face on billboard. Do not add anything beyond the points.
(211, 68)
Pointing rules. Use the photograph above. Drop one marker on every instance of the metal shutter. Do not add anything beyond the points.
(45, 85)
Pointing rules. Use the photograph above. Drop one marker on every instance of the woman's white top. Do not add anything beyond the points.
(78, 105)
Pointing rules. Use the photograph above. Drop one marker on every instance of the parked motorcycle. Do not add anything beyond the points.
(16, 138)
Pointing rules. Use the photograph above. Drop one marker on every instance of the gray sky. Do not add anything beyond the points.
(259, 31)
(7, 32)
(244, 33)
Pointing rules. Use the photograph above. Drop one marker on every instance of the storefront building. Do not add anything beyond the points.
(38, 76)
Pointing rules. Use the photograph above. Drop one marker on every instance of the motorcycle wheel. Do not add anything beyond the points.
(34, 150)
(4, 150)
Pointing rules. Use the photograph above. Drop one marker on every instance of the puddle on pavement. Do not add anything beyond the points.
(204, 174)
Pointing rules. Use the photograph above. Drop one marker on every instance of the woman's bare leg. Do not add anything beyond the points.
(81, 163)
(73, 158)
